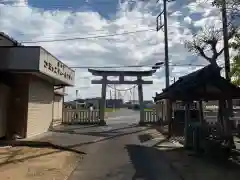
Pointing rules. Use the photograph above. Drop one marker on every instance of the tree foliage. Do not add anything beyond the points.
(233, 8)
(235, 69)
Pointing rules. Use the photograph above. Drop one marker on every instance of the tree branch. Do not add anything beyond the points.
(220, 52)
(208, 40)
(202, 53)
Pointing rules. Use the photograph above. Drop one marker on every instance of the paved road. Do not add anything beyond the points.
(123, 116)
(119, 154)
(116, 151)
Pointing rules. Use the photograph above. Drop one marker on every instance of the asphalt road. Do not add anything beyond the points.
(118, 154)
(123, 116)
(115, 151)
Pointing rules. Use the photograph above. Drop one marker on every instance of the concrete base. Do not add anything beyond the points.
(141, 123)
(82, 123)
(102, 123)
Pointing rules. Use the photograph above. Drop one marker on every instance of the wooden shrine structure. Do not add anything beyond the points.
(121, 80)
(205, 84)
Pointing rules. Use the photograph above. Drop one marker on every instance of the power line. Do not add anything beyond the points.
(76, 32)
(95, 36)
(89, 37)
(124, 66)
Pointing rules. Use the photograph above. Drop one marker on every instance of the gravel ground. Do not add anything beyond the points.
(25, 163)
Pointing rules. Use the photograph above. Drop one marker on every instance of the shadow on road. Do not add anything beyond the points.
(43, 143)
(150, 164)
(100, 132)
(168, 162)
(108, 137)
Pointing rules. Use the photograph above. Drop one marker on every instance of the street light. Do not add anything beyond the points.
(157, 65)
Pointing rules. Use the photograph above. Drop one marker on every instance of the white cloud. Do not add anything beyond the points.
(15, 2)
(32, 24)
(188, 20)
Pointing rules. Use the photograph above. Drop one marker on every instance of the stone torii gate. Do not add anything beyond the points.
(121, 74)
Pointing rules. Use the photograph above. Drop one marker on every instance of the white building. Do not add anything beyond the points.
(32, 85)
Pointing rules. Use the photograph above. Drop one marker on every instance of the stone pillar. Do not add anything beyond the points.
(103, 102)
(140, 96)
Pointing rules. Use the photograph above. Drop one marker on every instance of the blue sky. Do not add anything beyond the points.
(106, 8)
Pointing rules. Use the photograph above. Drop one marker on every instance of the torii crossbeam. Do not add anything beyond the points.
(121, 74)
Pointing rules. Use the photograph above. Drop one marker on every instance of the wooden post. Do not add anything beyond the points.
(103, 101)
(227, 125)
(186, 124)
(221, 113)
(169, 117)
(200, 108)
(140, 96)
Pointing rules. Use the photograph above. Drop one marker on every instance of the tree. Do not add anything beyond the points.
(232, 7)
(205, 43)
(207, 40)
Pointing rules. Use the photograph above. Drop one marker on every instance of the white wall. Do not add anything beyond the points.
(57, 110)
(40, 107)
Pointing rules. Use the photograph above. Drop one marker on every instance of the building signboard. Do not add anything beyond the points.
(50, 66)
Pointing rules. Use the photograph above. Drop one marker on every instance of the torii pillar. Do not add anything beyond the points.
(121, 74)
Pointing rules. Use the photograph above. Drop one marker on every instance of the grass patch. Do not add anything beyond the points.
(111, 110)
(148, 109)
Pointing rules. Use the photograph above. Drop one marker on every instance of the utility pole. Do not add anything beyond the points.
(115, 97)
(164, 25)
(76, 98)
(174, 80)
(166, 42)
(133, 95)
(225, 40)
(229, 107)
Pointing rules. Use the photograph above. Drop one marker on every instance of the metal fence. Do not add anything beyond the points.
(75, 116)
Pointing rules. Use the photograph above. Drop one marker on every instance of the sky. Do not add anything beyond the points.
(37, 20)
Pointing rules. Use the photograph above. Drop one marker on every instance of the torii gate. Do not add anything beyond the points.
(121, 74)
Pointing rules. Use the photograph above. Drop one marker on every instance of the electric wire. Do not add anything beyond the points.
(133, 66)
(88, 37)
